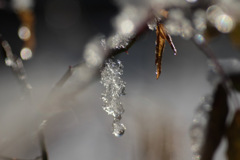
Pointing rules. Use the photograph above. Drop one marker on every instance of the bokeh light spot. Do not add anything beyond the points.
(24, 33)
(127, 26)
(224, 23)
(199, 39)
(26, 53)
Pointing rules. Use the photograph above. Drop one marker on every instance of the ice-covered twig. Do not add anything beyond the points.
(65, 77)
(88, 74)
(16, 64)
(200, 42)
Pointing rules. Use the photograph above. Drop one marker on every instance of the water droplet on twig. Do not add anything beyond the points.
(118, 128)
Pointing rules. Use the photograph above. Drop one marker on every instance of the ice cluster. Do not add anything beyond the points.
(197, 130)
(178, 25)
(95, 52)
(114, 89)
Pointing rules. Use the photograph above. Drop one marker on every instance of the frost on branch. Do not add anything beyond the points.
(199, 124)
(114, 89)
(178, 25)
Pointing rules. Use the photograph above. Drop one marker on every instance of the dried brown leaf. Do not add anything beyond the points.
(162, 36)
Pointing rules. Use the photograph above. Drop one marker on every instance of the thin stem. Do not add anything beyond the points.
(141, 29)
(16, 64)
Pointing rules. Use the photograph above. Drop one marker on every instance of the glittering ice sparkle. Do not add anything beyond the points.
(114, 89)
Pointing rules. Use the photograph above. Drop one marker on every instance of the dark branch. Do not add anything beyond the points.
(43, 148)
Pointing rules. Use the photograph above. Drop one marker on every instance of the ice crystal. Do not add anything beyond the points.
(114, 89)
(118, 41)
(197, 131)
(152, 24)
(94, 52)
(178, 24)
(199, 20)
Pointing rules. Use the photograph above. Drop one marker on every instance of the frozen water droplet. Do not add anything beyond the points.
(118, 128)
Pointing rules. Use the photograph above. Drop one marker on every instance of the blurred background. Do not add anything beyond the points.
(158, 113)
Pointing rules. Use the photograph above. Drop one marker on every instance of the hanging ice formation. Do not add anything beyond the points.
(114, 89)
(197, 130)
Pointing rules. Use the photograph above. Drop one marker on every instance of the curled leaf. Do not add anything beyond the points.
(162, 36)
(216, 124)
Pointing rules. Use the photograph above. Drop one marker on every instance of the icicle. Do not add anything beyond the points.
(197, 130)
(114, 89)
